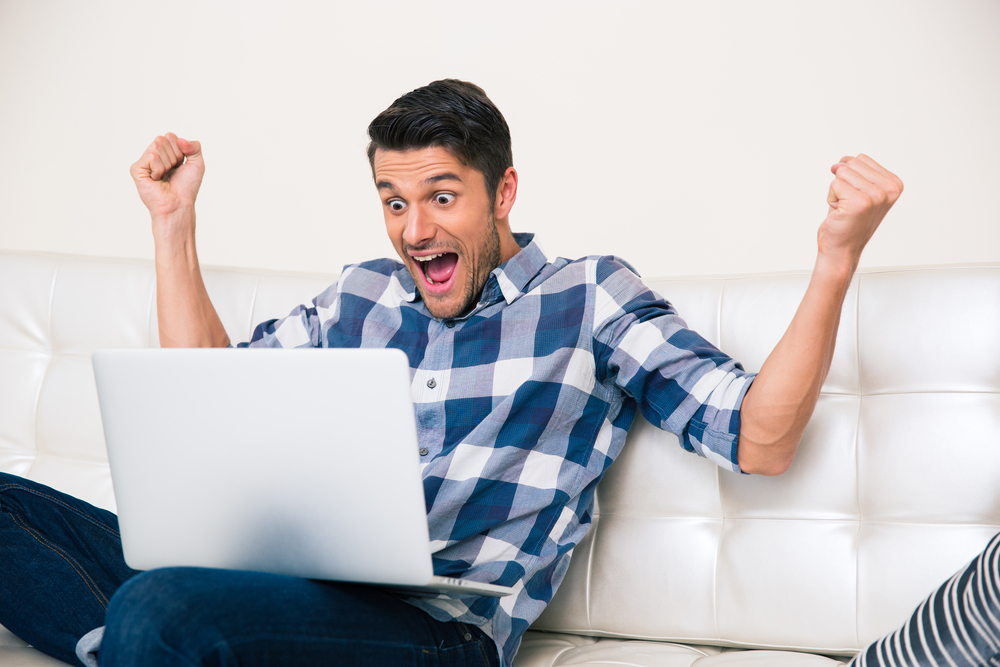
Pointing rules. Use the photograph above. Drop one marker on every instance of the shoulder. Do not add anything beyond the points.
(620, 294)
(358, 278)
(592, 269)
(608, 284)
(366, 280)
(599, 276)
(610, 276)
(607, 266)
(383, 267)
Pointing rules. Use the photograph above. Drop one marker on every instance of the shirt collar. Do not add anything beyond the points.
(510, 278)
(507, 281)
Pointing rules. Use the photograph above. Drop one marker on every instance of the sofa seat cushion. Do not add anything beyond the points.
(14, 652)
(8, 639)
(23, 656)
(549, 649)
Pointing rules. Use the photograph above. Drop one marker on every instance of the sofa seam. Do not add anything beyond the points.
(151, 304)
(708, 641)
(48, 368)
(253, 304)
(857, 464)
(590, 570)
(791, 273)
(718, 483)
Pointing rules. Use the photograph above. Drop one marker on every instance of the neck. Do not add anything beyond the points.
(508, 246)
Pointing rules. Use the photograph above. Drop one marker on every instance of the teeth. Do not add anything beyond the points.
(428, 258)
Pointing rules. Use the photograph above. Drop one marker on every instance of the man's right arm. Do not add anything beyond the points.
(168, 176)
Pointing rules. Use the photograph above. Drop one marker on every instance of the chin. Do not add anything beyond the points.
(451, 305)
(444, 311)
(448, 308)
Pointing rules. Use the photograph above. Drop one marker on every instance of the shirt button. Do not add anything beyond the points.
(423, 451)
(450, 324)
(432, 383)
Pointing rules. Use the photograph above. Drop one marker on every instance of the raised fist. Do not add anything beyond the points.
(859, 197)
(168, 175)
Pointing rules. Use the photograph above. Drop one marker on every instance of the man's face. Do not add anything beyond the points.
(440, 221)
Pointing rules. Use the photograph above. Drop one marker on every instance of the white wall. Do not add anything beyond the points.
(698, 132)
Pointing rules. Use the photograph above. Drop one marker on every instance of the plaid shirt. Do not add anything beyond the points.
(521, 406)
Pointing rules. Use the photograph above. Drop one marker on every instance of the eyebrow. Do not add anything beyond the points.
(446, 176)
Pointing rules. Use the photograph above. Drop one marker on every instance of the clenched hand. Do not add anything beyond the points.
(168, 175)
(859, 197)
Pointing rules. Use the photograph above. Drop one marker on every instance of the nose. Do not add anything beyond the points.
(419, 229)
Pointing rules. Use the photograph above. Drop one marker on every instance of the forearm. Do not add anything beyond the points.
(781, 399)
(184, 310)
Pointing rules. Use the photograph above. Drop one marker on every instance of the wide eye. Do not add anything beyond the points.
(444, 198)
(396, 205)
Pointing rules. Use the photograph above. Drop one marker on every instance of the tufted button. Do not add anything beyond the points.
(450, 324)
(424, 451)
(432, 383)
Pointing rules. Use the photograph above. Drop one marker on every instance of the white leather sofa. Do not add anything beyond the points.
(896, 484)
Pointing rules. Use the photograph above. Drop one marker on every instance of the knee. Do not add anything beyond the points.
(15, 492)
(6, 477)
(12, 482)
(153, 597)
(9, 483)
(24, 495)
(154, 618)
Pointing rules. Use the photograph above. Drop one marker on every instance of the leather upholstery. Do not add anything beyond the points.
(56, 310)
(894, 487)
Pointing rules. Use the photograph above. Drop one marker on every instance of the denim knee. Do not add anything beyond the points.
(9, 484)
(18, 494)
(154, 619)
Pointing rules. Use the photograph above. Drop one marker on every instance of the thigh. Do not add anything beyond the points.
(219, 617)
(60, 563)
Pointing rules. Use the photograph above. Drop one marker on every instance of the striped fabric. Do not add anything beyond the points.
(957, 626)
(521, 406)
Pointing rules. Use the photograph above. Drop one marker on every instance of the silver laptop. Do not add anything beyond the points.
(298, 462)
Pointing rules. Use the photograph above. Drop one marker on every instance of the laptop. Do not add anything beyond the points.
(296, 462)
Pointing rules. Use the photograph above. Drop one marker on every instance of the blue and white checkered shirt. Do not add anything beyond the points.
(521, 406)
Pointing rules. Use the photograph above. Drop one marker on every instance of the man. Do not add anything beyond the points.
(527, 374)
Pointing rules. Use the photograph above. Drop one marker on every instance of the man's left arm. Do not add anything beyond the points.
(781, 399)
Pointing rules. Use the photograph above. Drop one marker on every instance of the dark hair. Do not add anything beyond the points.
(453, 114)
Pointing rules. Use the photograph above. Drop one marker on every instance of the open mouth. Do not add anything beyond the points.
(439, 269)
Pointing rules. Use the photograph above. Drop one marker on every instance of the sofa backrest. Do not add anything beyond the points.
(55, 310)
(894, 487)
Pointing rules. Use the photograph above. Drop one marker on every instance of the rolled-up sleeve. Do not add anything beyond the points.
(680, 382)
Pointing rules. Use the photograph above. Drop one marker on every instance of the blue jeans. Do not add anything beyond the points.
(62, 574)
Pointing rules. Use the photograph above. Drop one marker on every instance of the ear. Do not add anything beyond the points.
(506, 194)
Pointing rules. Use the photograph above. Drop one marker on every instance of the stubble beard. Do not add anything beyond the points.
(480, 269)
